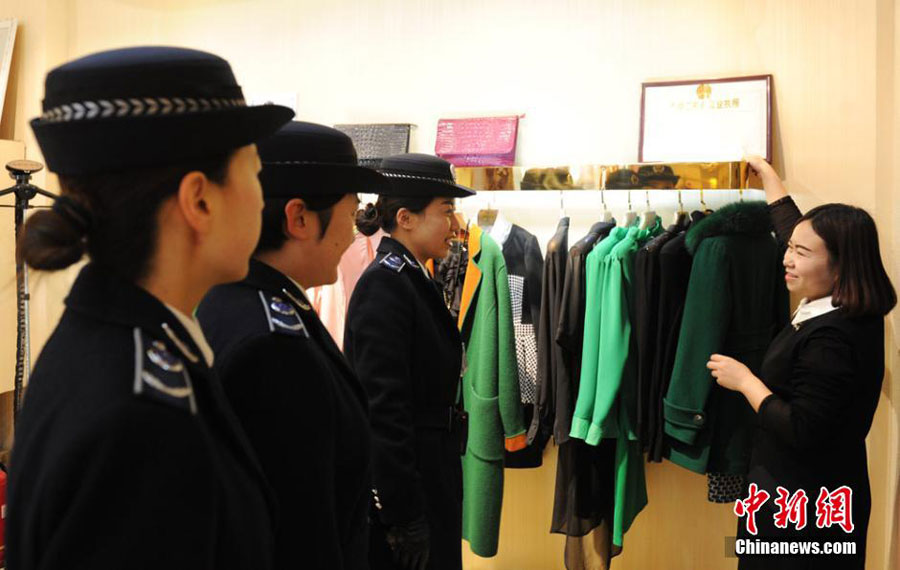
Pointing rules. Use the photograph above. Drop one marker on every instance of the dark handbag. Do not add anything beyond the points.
(374, 141)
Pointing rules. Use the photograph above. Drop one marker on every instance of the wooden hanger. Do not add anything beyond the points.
(703, 205)
(680, 218)
(487, 216)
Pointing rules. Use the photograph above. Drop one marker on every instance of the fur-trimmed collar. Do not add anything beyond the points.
(749, 218)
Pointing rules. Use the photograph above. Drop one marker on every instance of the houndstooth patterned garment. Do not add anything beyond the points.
(526, 342)
(725, 487)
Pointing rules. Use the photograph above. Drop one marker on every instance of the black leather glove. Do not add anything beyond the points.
(411, 544)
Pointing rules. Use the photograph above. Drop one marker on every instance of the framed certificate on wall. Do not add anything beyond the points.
(7, 40)
(706, 120)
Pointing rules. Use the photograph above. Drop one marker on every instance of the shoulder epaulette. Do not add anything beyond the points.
(282, 316)
(393, 262)
(160, 373)
(397, 262)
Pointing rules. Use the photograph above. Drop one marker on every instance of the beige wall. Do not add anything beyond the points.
(574, 68)
(9, 150)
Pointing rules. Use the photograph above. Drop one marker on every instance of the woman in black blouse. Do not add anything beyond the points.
(819, 385)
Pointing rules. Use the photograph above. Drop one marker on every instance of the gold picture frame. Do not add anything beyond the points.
(7, 42)
(706, 120)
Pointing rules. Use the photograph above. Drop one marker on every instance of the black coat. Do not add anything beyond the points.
(569, 332)
(127, 454)
(406, 349)
(675, 265)
(523, 258)
(304, 412)
(825, 375)
(525, 268)
(647, 281)
(550, 358)
(583, 496)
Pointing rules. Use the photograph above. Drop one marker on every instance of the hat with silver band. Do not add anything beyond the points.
(305, 159)
(415, 175)
(661, 172)
(144, 107)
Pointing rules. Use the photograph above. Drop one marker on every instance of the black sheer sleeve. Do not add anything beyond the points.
(784, 213)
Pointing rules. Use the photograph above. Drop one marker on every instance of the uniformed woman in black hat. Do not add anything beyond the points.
(126, 453)
(406, 350)
(293, 390)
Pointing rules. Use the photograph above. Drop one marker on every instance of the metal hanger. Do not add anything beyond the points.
(649, 216)
(630, 216)
(607, 216)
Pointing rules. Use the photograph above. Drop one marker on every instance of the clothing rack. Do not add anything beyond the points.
(539, 211)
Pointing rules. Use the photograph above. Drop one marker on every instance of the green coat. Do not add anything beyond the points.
(490, 391)
(736, 302)
(607, 392)
(590, 355)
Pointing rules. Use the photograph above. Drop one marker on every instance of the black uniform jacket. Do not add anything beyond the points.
(304, 412)
(127, 454)
(406, 350)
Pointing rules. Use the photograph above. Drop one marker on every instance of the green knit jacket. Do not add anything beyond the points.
(490, 391)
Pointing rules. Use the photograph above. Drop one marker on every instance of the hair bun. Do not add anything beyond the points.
(368, 220)
(51, 240)
(74, 213)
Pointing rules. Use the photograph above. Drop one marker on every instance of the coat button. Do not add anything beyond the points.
(698, 419)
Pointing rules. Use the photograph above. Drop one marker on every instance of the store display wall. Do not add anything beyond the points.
(574, 68)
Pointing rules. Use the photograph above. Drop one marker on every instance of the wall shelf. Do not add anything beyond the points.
(675, 175)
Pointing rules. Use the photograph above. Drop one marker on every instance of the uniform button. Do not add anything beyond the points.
(698, 419)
